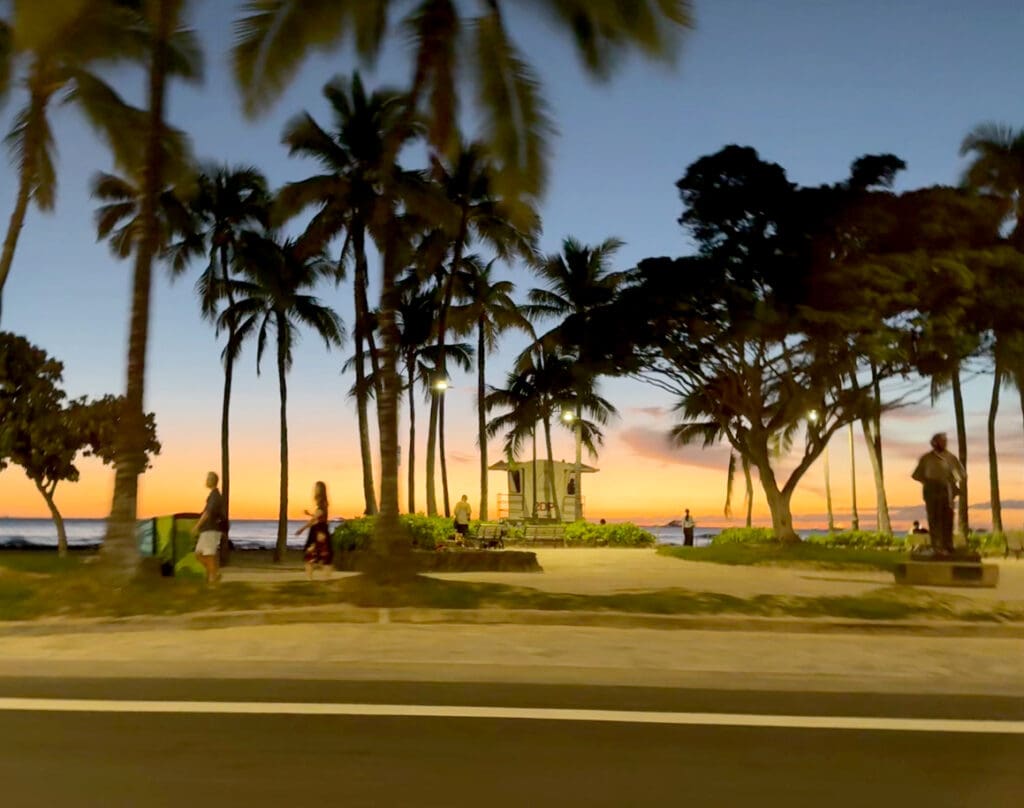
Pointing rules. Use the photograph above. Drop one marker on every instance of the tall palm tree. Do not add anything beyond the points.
(273, 296)
(578, 281)
(415, 318)
(60, 48)
(997, 167)
(228, 201)
(357, 152)
(491, 310)
(520, 405)
(171, 50)
(474, 213)
(451, 41)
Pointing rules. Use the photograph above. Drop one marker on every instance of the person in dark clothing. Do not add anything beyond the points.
(941, 476)
(318, 551)
(688, 528)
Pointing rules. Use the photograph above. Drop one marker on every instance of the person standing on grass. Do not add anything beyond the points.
(688, 527)
(318, 551)
(463, 511)
(209, 528)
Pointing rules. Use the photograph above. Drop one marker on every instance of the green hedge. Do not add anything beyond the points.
(745, 535)
(859, 538)
(425, 532)
(624, 534)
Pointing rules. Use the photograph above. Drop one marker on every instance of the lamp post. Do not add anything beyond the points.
(812, 416)
(575, 418)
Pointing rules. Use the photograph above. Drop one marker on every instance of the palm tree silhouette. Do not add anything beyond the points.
(273, 296)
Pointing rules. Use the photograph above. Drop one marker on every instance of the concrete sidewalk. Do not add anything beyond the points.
(850, 662)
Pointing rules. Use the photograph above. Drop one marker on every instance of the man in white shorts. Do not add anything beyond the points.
(208, 528)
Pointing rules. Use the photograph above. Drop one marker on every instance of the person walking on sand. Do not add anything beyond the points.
(688, 526)
(317, 551)
(463, 511)
(209, 528)
(941, 477)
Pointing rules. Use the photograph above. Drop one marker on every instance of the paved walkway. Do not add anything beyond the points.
(607, 571)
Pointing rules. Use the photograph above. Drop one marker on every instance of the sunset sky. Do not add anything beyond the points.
(810, 85)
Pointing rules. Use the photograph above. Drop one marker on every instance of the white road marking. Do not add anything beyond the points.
(876, 723)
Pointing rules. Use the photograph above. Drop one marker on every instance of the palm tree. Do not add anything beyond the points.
(997, 167)
(491, 310)
(274, 297)
(578, 282)
(228, 201)
(415, 317)
(168, 46)
(358, 153)
(521, 405)
(450, 42)
(60, 47)
(473, 213)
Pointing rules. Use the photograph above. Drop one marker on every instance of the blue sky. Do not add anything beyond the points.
(811, 85)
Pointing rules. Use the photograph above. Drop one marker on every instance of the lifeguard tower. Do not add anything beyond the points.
(533, 487)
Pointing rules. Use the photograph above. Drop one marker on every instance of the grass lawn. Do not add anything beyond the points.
(34, 585)
(803, 554)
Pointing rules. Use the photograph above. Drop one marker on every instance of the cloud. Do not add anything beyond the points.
(655, 445)
(653, 412)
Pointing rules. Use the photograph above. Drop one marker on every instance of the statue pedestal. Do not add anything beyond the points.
(947, 573)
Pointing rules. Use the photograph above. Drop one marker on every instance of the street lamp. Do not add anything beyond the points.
(813, 416)
(576, 420)
(440, 387)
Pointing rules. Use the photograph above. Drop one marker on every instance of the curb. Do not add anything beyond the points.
(494, 617)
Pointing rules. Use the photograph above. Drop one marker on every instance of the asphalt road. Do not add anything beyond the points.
(49, 757)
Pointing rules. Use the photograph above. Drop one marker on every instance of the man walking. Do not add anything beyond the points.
(941, 477)
(688, 526)
(209, 528)
(462, 514)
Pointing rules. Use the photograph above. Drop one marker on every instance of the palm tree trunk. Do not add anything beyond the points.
(431, 453)
(225, 420)
(119, 550)
(281, 548)
(442, 364)
(552, 492)
(854, 516)
(444, 461)
(577, 435)
(828, 492)
(362, 392)
(961, 440)
(993, 455)
(871, 425)
(58, 520)
(38, 102)
(481, 415)
(745, 461)
(534, 508)
(411, 363)
(390, 543)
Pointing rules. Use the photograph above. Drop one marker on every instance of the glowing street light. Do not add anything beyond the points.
(440, 385)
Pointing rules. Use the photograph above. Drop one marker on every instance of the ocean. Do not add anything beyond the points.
(246, 534)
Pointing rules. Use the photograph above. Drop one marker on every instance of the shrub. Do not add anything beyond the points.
(989, 544)
(425, 532)
(745, 535)
(858, 538)
(625, 534)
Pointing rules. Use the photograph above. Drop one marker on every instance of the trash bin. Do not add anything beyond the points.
(168, 538)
